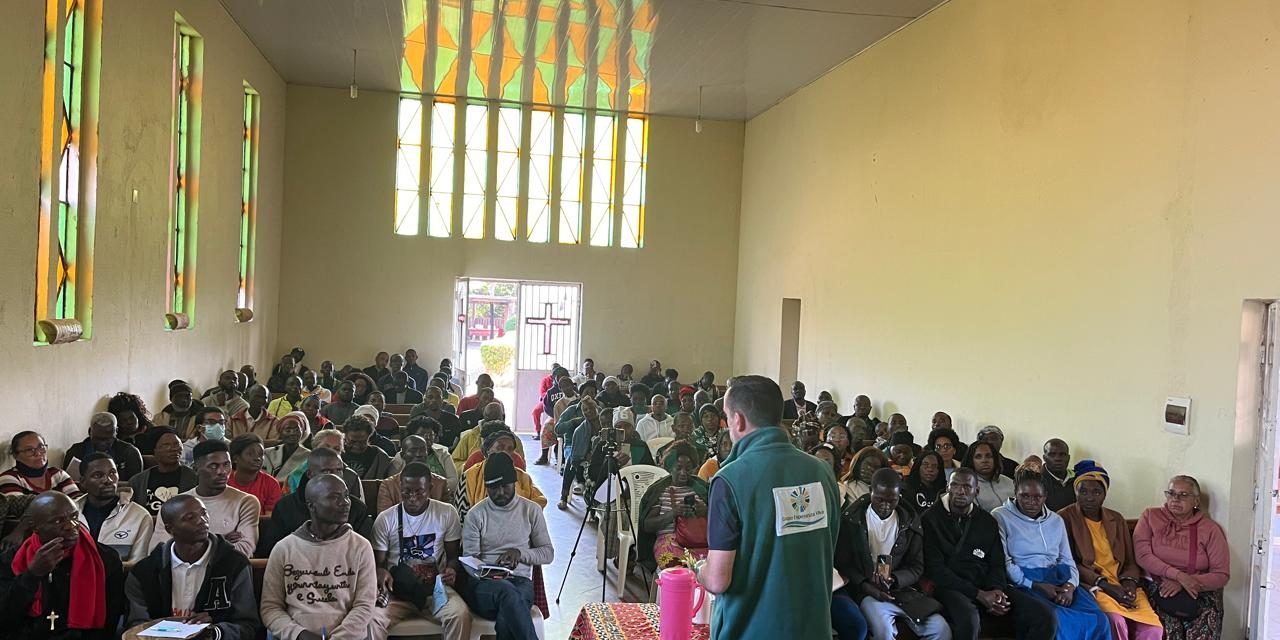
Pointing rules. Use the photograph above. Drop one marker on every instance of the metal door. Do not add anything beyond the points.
(461, 293)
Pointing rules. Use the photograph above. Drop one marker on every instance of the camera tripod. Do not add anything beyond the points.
(609, 447)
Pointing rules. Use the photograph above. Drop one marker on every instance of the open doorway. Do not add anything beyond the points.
(1264, 600)
(514, 330)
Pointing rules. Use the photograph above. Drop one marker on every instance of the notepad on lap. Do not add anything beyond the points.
(172, 629)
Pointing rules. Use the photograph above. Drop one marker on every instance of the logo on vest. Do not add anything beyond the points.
(799, 509)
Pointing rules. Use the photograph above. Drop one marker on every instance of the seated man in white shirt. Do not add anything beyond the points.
(112, 519)
(413, 542)
(197, 576)
(233, 513)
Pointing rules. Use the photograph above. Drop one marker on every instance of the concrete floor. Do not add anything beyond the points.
(584, 581)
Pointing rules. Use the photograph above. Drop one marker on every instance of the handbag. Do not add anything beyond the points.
(691, 531)
(916, 605)
(1180, 604)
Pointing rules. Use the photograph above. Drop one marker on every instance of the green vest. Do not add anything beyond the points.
(789, 505)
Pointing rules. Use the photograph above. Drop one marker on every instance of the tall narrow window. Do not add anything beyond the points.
(68, 170)
(408, 166)
(187, 77)
(602, 170)
(475, 171)
(541, 148)
(248, 201)
(573, 145)
(440, 187)
(507, 201)
(633, 171)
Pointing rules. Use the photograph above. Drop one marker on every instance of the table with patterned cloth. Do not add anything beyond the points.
(623, 621)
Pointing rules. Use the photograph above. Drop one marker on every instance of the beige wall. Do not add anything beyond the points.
(356, 288)
(1042, 215)
(55, 388)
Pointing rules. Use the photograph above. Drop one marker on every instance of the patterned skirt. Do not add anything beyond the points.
(1205, 626)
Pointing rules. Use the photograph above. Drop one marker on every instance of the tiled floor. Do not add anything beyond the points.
(584, 581)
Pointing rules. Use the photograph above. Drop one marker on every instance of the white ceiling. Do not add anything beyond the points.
(747, 54)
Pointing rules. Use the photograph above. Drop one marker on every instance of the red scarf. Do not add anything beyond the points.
(87, 608)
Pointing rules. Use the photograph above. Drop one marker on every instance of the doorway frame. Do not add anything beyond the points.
(518, 409)
(1266, 468)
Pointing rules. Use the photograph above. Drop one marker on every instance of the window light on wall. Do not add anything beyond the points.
(532, 173)
(188, 72)
(248, 204)
(68, 170)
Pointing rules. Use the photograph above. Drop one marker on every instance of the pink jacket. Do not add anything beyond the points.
(1161, 545)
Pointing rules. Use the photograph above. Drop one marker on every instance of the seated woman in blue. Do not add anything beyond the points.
(1038, 557)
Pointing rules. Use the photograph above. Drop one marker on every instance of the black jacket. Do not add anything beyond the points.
(227, 593)
(853, 552)
(17, 593)
(291, 512)
(962, 553)
(128, 458)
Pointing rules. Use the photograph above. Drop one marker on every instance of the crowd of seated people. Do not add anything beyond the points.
(940, 537)
(967, 536)
(107, 542)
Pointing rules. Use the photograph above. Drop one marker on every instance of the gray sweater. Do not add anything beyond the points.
(489, 530)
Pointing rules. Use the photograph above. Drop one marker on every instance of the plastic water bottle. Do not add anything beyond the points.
(676, 607)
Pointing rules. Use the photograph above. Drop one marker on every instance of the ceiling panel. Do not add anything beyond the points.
(640, 55)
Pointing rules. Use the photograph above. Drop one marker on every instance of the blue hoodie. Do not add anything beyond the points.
(1033, 543)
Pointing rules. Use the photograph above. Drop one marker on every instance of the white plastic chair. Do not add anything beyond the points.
(658, 443)
(637, 478)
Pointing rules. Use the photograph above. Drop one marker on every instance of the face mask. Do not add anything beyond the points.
(215, 431)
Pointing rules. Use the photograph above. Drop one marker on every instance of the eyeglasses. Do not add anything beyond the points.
(944, 446)
(40, 448)
(1180, 495)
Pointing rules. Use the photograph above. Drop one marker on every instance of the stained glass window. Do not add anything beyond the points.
(440, 188)
(541, 151)
(248, 197)
(408, 166)
(67, 161)
(507, 195)
(573, 146)
(475, 170)
(633, 171)
(185, 156)
(602, 171)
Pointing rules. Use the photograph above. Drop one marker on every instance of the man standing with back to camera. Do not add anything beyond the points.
(772, 525)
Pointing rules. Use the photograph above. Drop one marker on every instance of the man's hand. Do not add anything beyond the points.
(198, 618)
(1066, 593)
(234, 537)
(509, 558)
(1190, 583)
(384, 580)
(995, 601)
(48, 557)
(872, 589)
(448, 576)
(308, 635)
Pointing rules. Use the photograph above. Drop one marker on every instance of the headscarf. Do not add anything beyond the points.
(674, 452)
(368, 411)
(300, 418)
(1090, 470)
(700, 438)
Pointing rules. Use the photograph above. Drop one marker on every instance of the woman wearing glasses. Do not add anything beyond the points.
(1186, 554)
(31, 473)
(947, 443)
